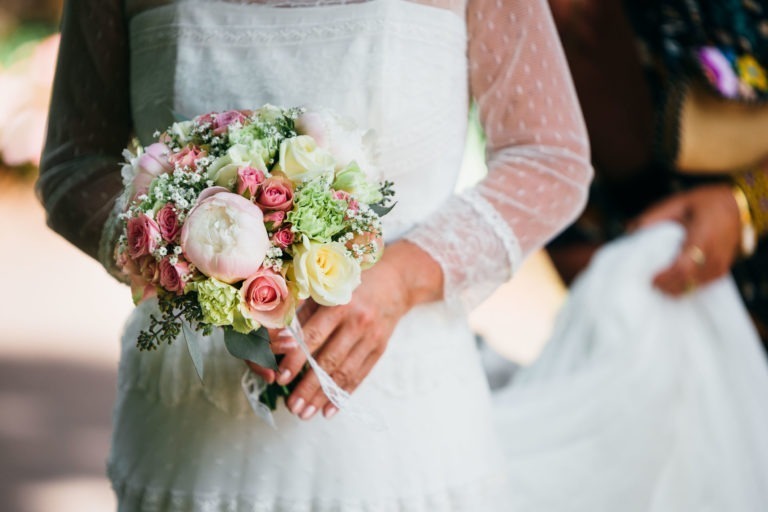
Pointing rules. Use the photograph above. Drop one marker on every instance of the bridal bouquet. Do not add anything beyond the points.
(233, 218)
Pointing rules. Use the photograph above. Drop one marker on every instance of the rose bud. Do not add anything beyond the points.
(248, 181)
(284, 238)
(275, 194)
(187, 158)
(172, 277)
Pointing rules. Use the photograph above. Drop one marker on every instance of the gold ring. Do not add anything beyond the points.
(697, 255)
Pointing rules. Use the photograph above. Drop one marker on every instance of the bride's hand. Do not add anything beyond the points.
(282, 342)
(348, 340)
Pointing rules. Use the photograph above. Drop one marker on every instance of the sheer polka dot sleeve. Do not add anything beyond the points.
(538, 152)
(89, 122)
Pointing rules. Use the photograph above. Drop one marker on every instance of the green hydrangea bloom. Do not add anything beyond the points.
(218, 301)
(316, 213)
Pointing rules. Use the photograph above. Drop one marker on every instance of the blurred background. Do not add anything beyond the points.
(61, 315)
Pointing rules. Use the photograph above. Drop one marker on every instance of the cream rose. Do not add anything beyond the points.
(223, 171)
(302, 160)
(326, 272)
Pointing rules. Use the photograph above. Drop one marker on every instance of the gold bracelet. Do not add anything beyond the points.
(748, 233)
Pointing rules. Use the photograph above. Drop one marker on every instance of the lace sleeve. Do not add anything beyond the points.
(89, 122)
(538, 152)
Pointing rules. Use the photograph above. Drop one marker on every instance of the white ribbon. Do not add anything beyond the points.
(253, 385)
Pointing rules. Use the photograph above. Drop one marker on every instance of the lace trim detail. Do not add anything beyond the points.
(500, 227)
(469, 497)
(421, 29)
(468, 249)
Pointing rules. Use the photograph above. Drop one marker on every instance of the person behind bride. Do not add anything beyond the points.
(674, 99)
(650, 394)
(405, 68)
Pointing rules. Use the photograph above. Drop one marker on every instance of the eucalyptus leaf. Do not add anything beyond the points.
(382, 210)
(193, 345)
(251, 347)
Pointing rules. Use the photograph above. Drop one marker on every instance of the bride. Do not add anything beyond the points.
(406, 68)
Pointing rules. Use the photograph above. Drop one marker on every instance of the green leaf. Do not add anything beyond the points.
(179, 117)
(382, 210)
(193, 344)
(251, 347)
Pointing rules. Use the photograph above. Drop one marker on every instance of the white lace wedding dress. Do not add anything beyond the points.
(407, 69)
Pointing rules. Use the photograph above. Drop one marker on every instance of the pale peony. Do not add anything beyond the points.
(225, 238)
(339, 136)
(148, 165)
(302, 160)
(326, 272)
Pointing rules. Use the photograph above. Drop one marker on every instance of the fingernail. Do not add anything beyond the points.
(308, 412)
(331, 412)
(298, 406)
(284, 345)
(285, 377)
(285, 333)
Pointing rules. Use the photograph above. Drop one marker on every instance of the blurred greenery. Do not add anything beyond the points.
(19, 42)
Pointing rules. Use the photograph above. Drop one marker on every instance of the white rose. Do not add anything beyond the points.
(339, 136)
(325, 272)
(302, 160)
(223, 170)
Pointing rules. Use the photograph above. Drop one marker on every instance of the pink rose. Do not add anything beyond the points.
(143, 236)
(266, 298)
(151, 164)
(154, 160)
(248, 181)
(168, 222)
(187, 158)
(283, 238)
(220, 121)
(275, 194)
(224, 236)
(172, 277)
(273, 220)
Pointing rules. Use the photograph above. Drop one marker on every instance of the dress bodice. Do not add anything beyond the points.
(188, 58)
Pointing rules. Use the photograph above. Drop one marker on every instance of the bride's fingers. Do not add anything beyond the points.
(305, 310)
(330, 410)
(317, 330)
(282, 341)
(265, 373)
(347, 376)
(339, 358)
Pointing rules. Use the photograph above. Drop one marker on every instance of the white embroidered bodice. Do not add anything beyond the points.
(406, 69)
